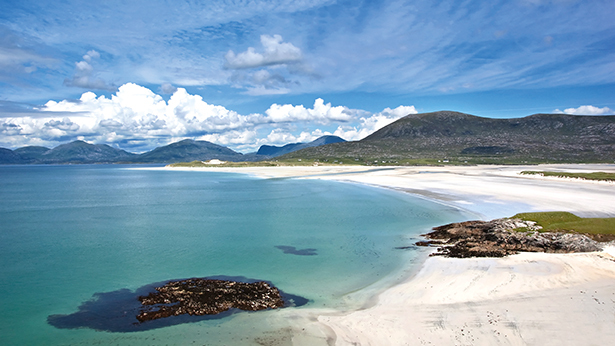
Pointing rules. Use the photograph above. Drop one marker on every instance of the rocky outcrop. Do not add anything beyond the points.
(502, 237)
(208, 297)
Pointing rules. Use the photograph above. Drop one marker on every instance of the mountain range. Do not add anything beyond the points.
(416, 138)
(459, 137)
(182, 151)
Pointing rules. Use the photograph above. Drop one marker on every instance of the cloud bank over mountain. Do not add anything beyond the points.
(136, 118)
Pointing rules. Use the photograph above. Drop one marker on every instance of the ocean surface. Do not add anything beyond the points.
(78, 243)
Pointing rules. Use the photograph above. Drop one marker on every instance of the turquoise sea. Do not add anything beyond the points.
(77, 241)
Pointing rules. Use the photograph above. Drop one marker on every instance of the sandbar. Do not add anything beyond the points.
(524, 299)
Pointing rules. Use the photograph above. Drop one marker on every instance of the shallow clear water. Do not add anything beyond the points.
(70, 232)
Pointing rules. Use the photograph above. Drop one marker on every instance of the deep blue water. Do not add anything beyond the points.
(75, 234)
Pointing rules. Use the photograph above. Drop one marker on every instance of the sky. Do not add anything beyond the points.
(243, 73)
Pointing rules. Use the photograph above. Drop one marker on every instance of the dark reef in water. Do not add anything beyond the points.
(291, 250)
(123, 311)
(208, 297)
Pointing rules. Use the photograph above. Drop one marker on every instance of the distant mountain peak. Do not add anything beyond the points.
(274, 151)
(82, 152)
(189, 150)
(185, 141)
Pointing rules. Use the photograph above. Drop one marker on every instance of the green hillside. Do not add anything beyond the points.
(462, 138)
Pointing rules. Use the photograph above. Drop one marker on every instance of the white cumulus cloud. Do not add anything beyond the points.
(92, 54)
(587, 110)
(141, 111)
(168, 88)
(237, 139)
(373, 123)
(272, 70)
(275, 52)
(84, 76)
(137, 119)
(320, 113)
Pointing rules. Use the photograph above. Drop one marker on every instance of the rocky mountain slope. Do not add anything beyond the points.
(463, 137)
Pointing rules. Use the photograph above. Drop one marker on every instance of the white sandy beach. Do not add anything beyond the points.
(488, 191)
(525, 299)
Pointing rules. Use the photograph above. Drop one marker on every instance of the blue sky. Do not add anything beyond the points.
(245, 73)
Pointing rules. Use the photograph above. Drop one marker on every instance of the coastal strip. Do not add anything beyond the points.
(489, 191)
(524, 299)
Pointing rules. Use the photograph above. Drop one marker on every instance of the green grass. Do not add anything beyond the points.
(601, 176)
(564, 221)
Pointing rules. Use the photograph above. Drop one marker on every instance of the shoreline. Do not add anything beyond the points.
(524, 299)
(489, 191)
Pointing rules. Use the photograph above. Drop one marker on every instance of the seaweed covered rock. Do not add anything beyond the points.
(498, 238)
(208, 297)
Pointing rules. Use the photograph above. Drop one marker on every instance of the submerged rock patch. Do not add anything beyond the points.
(123, 310)
(291, 250)
(208, 297)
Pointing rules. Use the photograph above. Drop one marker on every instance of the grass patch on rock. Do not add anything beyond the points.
(599, 176)
(601, 229)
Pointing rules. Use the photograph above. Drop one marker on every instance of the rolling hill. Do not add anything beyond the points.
(80, 152)
(273, 151)
(31, 153)
(74, 152)
(188, 150)
(447, 135)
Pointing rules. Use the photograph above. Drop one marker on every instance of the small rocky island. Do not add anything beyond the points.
(199, 297)
(502, 237)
